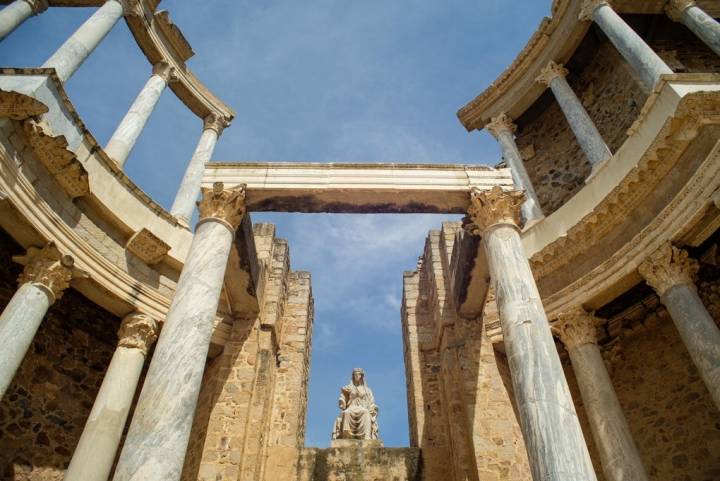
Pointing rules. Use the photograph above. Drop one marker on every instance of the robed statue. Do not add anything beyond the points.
(358, 416)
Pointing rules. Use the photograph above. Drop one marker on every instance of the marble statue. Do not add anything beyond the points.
(358, 416)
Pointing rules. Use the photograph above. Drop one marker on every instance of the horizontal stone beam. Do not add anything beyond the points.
(356, 188)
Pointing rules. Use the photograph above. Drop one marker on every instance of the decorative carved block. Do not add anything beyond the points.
(551, 71)
(216, 122)
(165, 71)
(501, 123)
(495, 206)
(228, 206)
(576, 327)
(38, 6)
(667, 267)
(47, 267)
(147, 246)
(589, 7)
(138, 331)
(675, 8)
(16, 106)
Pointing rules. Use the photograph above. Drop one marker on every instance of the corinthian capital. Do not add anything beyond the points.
(164, 70)
(667, 267)
(499, 124)
(589, 7)
(675, 8)
(215, 122)
(576, 327)
(46, 268)
(138, 331)
(551, 71)
(226, 206)
(495, 206)
(37, 6)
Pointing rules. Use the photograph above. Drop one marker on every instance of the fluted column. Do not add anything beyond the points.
(503, 129)
(648, 65)
(160, 428)
(98, 445)
(187, 194)
(124, 138)
(619, 456)
(17, 12)
(68, 58)
(587, 135)
(694, 18)
(671, 272)
(46, 275)
(553, 438)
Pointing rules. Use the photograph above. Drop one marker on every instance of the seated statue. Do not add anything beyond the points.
(358, 416)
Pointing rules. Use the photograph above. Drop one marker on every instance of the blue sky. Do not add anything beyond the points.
(321, 80)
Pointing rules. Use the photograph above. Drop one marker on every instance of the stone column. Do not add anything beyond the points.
(648, 65)
(68, 58)
(694, 18)
(160, 428)
(187, 194)
(587, 135)
(95, 452)
(551, 429)
(17, 12)
(670, 272)
(46, 275)
(503, 129)
(618, 453)
(124, 138)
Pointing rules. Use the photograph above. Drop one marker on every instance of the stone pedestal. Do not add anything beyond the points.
(694, 18)
(17, 12)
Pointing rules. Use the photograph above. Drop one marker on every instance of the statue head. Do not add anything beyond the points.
(358, 376)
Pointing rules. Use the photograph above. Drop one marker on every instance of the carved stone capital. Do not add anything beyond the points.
(215, 122)
(551, 71)
(147, 246)
(226, 206)
(589, 7)
(47, 268)
(675, 8)
(16, 106)
(138, 331)
(501, 123)
(495, 206)
(165, 71)
(38, 6)
(667, 267)
(576, 327)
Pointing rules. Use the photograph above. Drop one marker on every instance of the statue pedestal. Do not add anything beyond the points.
(356, 443)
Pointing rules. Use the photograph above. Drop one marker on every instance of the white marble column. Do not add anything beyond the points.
(587, 135)
(46, 275)
(694, 18)
(619, 456)
(160, 428)
(553, 438)
(648, 65)
(670, 271)
(503, 129)
(187, 194)
(126, 134)
(68, 58)
(95, 453)
(17, 12)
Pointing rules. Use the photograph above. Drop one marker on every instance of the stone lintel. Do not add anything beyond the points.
(147, 246)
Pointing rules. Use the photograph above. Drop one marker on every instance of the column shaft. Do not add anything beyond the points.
(187, 194)
(702, 25)
(68, 58)
(531, 210)
(17, 12)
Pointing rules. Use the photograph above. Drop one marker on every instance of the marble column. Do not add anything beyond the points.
(671, 272)
(160, 428)
(17, 12)
(187, 194)
(587, 135)
(619, 456)
(124, 138)
(648, 65)
(95, 453)
(503, 129)
(46, 275)
(553, 438)
(694, 18)
(68, 58)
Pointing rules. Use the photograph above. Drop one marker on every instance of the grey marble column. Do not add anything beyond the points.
(587, 135)
(160, 428)
(17, 12)
(670, 271)
(68, 58)
(553, 438)
(189, 190)
(694, 18)
(46, 275)
(503, 129)
(126, 134)
(95, 453)
(648, 65)
(619, 456)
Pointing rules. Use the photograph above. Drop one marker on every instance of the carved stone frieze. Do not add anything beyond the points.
(501, 123)
(576, 327)
(147, 246)
(589, 7)
(216, 122)
(38, 6)
(16, 106)
(550, 72)
(495, 206)
(138, 331)
(675, 8)
(46, 267)
(61, 162)
(227, 206)
(668, 266)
